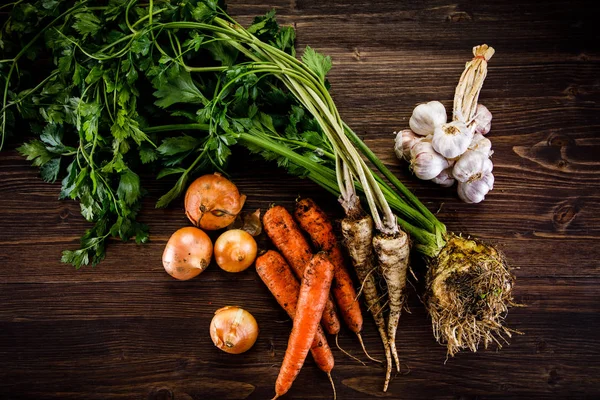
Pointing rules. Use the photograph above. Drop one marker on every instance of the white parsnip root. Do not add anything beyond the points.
(357, 231)
(393, 253)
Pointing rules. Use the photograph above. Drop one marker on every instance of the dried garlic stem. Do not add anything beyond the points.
(470, 83)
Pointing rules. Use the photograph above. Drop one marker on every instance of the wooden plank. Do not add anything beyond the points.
(126, 330)
(132, 339)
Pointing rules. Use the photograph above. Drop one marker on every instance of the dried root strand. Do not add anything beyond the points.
(337, 343)
(468, 293)
(362, 344)
(470, 84)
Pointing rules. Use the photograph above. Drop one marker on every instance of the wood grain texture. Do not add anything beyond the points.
(126, 330)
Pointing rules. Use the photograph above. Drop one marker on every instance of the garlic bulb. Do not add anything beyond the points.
(482, 119)
(425, 162)
(474, 191)
(473, 171)
(481, 144)
(405, 140)
(445, 178)
(426, 117)
(452, 139)
(471, 164)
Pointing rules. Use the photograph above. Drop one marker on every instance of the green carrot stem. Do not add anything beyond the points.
(395, 181)
(425, 239)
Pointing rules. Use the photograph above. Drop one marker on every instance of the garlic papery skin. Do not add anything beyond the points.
(475, 189)
(471, 165)
(426, 117)
(452, 139)
(481, 144)
(425, 163)
(445, 178)
(482, 120)
(405, 140)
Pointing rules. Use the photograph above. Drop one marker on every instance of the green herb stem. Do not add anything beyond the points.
(395, 181)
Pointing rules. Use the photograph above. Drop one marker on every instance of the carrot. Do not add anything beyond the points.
(277, 275)
(313, 295)
(287, 237)
(313, 220)
(357, 231)
(393, 252)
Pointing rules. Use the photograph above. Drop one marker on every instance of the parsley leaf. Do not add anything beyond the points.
(317, 62)
(35, 151)
(129, 187)
(179, 90)
(179, 144)
(49, 171)
(87, 23)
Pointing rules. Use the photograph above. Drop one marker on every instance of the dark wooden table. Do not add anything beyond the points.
(125, 329)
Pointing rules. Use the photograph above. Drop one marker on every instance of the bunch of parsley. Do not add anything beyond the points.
(83, 77)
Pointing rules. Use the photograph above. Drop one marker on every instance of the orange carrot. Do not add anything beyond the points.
(314, 291)
(287, 237)
(277, 275)
(315, 222)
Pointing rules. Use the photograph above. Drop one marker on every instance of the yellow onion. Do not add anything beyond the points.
(235, 250)
(212, 202)
(187, 253)
(233, 330)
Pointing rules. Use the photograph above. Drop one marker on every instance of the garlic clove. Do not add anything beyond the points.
(475, 190)
(422, 146)
(482, 144)
(452, 139)
(426, 117)
(482, 120)
(405, 140)
(425, 162)
(445, 178)
(471, 164)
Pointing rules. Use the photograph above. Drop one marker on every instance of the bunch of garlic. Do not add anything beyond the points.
(445, 152)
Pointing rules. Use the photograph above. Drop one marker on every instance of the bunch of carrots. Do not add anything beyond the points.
(301, 281)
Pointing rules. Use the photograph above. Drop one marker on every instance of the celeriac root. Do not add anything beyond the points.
(468, 293)
(393, 254)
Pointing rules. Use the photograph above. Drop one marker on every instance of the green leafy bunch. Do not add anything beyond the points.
(96, 82)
